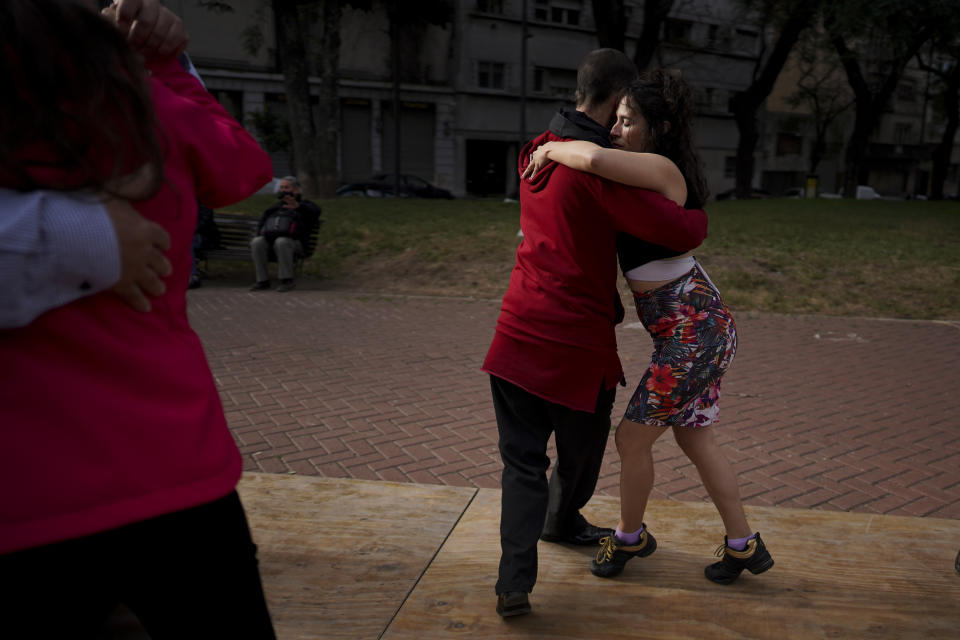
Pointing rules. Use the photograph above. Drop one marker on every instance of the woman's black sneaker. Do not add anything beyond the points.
(614, 553)
(754, 558)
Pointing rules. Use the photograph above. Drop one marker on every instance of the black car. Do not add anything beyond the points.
(731, 194)
(382, 186)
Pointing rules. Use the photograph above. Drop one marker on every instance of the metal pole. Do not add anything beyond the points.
(395, 54)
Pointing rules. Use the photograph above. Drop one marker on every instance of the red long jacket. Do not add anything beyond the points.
(109, 416)
(555, 336)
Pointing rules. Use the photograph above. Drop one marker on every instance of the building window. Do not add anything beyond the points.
(556, 82)
(490, 6)
(789, 144)
(730, 167)
(901, 133)
(907, 91)
(711, 100)
(678, 31)
(232, 101)
(558, 11)
(703, 99)
(563, 15)
(746, 40)
(541, 10)
(490, 75)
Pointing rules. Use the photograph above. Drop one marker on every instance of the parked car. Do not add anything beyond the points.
(864, 192)
(795, 192)
(731, 194)
(382, 186)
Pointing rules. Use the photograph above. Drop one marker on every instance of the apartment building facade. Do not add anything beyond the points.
(463, 86)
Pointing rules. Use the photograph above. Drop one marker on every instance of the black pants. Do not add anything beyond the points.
(189, 574)
(529, 505)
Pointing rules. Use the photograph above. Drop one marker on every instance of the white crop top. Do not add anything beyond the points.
(665, 269)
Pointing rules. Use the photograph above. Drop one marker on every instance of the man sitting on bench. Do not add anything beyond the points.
(286, 227)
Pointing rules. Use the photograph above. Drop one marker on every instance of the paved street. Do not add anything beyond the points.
(827, 413)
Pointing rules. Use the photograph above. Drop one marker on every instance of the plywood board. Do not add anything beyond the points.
(338, 556)
(837, 574)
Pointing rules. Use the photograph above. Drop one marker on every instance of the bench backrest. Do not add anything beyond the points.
(236, 231)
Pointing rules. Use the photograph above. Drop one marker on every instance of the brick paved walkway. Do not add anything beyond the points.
(827, 413)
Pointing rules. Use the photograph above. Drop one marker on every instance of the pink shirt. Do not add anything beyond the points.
(109, 416)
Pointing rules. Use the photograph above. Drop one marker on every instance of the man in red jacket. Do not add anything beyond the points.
(553, 362)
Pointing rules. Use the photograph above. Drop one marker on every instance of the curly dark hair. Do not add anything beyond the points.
(662, 97)
(79, 111)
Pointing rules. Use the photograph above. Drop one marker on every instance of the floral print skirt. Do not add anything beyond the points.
(694, 341)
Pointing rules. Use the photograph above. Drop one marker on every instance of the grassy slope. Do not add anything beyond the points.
(837, 257)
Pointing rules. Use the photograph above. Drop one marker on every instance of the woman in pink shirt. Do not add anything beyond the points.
(119, 470)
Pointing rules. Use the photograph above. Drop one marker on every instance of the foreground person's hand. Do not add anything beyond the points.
(150, 28)
(143, 264)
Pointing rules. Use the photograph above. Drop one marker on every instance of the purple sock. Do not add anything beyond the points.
(628, 538)
(739, 544)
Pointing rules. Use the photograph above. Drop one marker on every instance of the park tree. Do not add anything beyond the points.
(821, 90)
(307, 34)
(875, 41)
(302, 27)
(943, 61)
(785, 20)
(610, 19)
(314, 131)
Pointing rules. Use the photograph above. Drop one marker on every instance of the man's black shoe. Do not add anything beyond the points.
(614, 553)
(755, 559)
(263, 285)
(588, 535)
(285, 285)
(512, 603)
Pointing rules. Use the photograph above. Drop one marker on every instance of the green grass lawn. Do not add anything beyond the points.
(836, 257)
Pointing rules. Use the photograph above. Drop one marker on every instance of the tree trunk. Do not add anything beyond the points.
(870, 105)
(856, 171)
(745, 104)
(292, 53)
(328, 107)
(819, 147)
(314, 132)
(610, 21)
(747, 126)
(654, 14)
(941, 154)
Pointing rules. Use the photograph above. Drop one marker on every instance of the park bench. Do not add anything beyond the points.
(235, 233)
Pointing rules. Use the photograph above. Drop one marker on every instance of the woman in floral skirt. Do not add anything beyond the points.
(694, 335)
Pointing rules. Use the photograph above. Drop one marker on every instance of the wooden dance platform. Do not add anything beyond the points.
(366, 560)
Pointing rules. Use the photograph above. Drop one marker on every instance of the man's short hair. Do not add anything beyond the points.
(604, 73)
(292, 180)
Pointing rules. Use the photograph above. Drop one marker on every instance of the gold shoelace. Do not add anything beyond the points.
(608, 545)
(746, 552)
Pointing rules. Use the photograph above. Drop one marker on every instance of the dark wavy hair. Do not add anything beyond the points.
(661, 98)
(78, 111)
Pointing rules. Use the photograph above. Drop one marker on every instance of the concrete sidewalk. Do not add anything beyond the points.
(828, 413)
